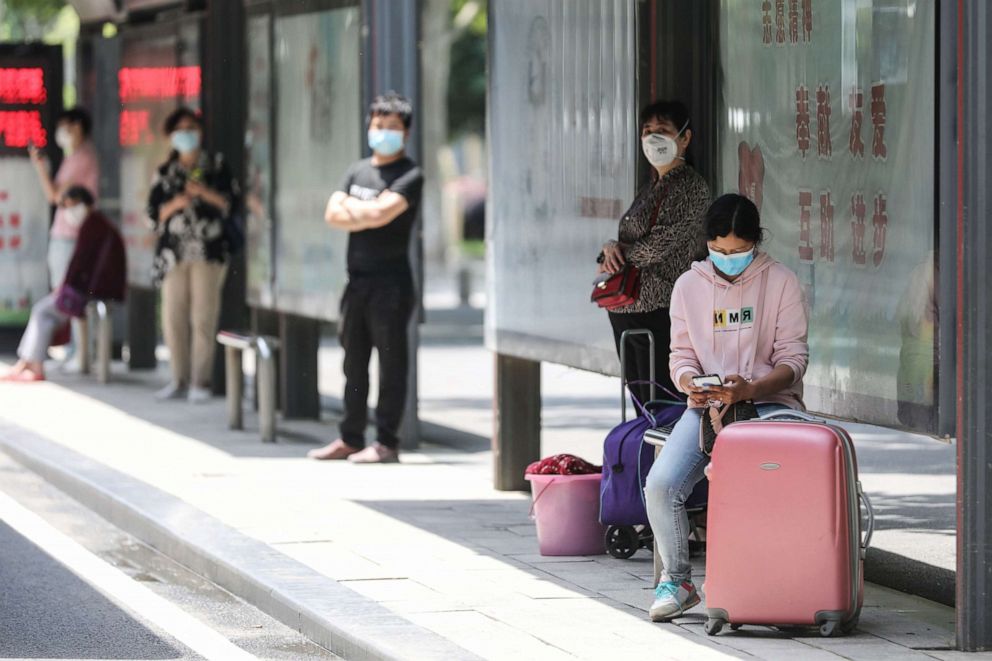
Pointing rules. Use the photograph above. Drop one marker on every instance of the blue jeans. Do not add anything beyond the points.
(673, 476)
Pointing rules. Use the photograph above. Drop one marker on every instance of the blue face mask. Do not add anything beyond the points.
(185, 141)
(385, 142)
(732, 265)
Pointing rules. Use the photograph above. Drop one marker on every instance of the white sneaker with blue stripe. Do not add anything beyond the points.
(672, 599)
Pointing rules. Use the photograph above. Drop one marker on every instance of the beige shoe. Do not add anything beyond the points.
(375, 454)
(335, 450)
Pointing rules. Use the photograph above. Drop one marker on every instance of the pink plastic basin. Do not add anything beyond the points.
(566, 509)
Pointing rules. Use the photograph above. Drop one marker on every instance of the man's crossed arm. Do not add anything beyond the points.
(348, 213)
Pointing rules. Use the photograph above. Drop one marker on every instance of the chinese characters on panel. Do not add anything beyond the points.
(776, 30)
(141, 87)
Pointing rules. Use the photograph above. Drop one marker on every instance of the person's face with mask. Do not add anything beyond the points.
(387, 135)
(68, 135)
(74, 211)
(663, 143)
(731, 254)
(186, 138)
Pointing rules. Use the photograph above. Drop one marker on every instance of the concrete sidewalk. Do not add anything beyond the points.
(419, 560)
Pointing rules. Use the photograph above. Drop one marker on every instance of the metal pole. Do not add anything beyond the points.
(265, 376)
(104, 341)
(974, 498)
(235, 385)
(392, 39)
(516, 421)
(83, 325)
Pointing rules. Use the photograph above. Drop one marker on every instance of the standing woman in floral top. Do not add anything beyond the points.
(659, 234)
(190, 203)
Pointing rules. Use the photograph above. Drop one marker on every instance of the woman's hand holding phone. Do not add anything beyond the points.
(734, 389)
(693, 385)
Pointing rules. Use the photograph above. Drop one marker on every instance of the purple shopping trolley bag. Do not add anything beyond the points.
(627, 460)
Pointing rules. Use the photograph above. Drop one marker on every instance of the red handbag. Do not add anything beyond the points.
(617, 290)
(623, 287)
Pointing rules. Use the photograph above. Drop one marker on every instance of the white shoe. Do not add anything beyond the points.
(172, 391)
(70, 366)
(199, 395)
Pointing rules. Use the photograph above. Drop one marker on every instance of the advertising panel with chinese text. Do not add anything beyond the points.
(159, 72)
(829, 128)
(30, 98)
(563, 113)
(320, 132)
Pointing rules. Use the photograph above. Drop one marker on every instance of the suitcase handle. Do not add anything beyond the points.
(870, 527)
(790, 414)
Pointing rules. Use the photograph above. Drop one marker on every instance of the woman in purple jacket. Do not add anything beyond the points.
(97, 270)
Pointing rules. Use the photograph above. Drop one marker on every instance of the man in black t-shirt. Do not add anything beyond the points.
(377, 203)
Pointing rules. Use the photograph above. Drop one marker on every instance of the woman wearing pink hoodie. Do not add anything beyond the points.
(739, 315)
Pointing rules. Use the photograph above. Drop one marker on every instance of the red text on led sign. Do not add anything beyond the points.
(20, 128)
(141, 83)
(23, 86)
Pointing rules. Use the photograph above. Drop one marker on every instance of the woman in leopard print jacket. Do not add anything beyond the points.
(659, 234)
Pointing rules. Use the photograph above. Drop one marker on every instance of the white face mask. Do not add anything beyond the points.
(63, 138)
(75, 215)
(659, 149)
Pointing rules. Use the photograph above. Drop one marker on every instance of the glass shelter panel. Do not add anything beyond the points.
(30, 98)
(320, 132)
(834, 141)
(258, 150)
(563, 109)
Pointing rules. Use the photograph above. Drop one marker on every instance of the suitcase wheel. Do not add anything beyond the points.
(622, 541)
(829, 628)
(713, 626)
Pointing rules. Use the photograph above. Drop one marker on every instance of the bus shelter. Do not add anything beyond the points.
(283, 86)
(856, 127)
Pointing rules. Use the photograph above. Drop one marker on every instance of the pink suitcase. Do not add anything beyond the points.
(784, 529)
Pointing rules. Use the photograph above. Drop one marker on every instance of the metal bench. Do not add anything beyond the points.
(265, 347)
(97, 318)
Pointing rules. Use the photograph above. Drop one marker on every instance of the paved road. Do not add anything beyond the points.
(72, 586)
(48, 612)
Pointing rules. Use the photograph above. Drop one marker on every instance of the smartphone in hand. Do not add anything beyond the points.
(706, 380)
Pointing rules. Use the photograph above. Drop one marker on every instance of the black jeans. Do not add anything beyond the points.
(375, 313)
(638, 358)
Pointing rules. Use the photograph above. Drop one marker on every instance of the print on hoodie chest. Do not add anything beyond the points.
(726, 320)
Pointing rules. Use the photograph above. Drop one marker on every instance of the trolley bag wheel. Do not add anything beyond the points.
(713, 626)
(622, 541)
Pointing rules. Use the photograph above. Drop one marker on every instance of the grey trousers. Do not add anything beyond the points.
(45, 320)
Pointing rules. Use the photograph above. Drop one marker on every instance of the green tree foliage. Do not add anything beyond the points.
(27, 20)
(467, 83)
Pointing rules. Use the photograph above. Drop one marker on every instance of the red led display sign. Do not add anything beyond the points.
(143, 89)
(24, 100)
(23, 85)
(138, 83)
(20, 128)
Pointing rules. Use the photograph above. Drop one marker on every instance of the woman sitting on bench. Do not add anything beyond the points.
(97, 271)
